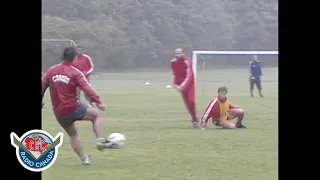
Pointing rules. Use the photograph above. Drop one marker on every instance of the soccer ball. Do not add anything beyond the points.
(117, 140)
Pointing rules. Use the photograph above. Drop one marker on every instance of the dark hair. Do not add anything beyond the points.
(223, 89)
(69, 54)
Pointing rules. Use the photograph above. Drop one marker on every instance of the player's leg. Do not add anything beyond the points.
(188, 97)
(226, 124)
(251, 84)
(68, 125)
(237, 113)
(258, 84)
(76, 144)
(232, 114)
(192, 106)
(83, 113)
(93, 115)
(207, 114)
(185, 99)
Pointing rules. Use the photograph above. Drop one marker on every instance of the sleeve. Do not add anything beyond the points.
(90, 64)
(45, 82)
(171, 64)
(208, 112)
(250, 68)
(188, 78)
(173, 74)
(260, 72)
(86, 88)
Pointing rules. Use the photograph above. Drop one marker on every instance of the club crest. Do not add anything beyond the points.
(36, 150)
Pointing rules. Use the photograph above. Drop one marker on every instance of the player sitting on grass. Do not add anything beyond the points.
(221, 111)
(63, 80)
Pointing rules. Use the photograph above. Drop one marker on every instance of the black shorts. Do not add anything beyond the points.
(255, 81)
(78, 114)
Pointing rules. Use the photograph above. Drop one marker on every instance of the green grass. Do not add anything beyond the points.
(160, 143)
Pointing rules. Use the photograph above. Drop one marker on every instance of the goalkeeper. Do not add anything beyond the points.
(255, 74)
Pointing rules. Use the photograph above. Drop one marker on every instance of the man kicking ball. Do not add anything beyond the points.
(221, 111)
(63, 80)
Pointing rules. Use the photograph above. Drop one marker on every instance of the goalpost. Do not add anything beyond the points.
(228, 53)
(52, 50)
(198, 54)
(71, 42)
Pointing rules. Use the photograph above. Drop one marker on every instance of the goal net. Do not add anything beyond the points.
(52, 51)
(231, 68)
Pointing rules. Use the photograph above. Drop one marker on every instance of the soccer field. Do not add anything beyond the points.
(160, 143)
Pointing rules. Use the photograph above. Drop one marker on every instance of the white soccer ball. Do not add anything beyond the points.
(117, 139)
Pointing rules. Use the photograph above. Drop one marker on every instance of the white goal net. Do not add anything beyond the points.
(231, 68)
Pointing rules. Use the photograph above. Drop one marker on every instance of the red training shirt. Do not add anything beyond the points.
(63, 80)
(84, 64)
(182, 72)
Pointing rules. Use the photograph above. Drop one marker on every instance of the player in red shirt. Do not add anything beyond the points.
(183, 81)
(63, 80)
(221, 111)
(84, 63)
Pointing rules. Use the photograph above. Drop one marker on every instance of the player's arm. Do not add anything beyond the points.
(173, 74)
(90, 64)
(188, 78)
(205, 118)
(45, 84)
(250, 68)
(173, 79)
(86, 88)
(208, 113)
(259, 69)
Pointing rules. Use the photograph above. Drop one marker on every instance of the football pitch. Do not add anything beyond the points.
(160, 143)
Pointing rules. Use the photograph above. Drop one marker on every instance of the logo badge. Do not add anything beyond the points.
(36, 150)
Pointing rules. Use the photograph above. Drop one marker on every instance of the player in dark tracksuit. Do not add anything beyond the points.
(255, 74)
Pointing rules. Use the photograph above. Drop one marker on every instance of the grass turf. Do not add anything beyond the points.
(160, 143)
